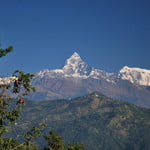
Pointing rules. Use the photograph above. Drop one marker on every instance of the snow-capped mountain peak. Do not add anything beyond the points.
(75, 65)
(75, 56)
(135, 75)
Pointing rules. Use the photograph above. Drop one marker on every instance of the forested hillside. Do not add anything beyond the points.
(98, 122)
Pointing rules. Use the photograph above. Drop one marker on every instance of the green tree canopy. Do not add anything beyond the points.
(3, 52)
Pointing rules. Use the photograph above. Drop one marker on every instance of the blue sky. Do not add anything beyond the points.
(107, 34)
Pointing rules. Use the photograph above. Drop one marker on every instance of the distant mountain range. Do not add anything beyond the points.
(95, 120)
(77, 78)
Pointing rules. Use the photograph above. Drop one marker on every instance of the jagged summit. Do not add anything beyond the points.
(75, 55)
(75, 59)
(75, 65)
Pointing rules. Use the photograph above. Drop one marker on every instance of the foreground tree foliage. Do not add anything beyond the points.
(56, 142)
(13, 92)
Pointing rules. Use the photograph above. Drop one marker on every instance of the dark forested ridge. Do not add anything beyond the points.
(98, 122)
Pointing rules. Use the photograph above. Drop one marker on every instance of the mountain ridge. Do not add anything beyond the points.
(76, 67)
(77, 78)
